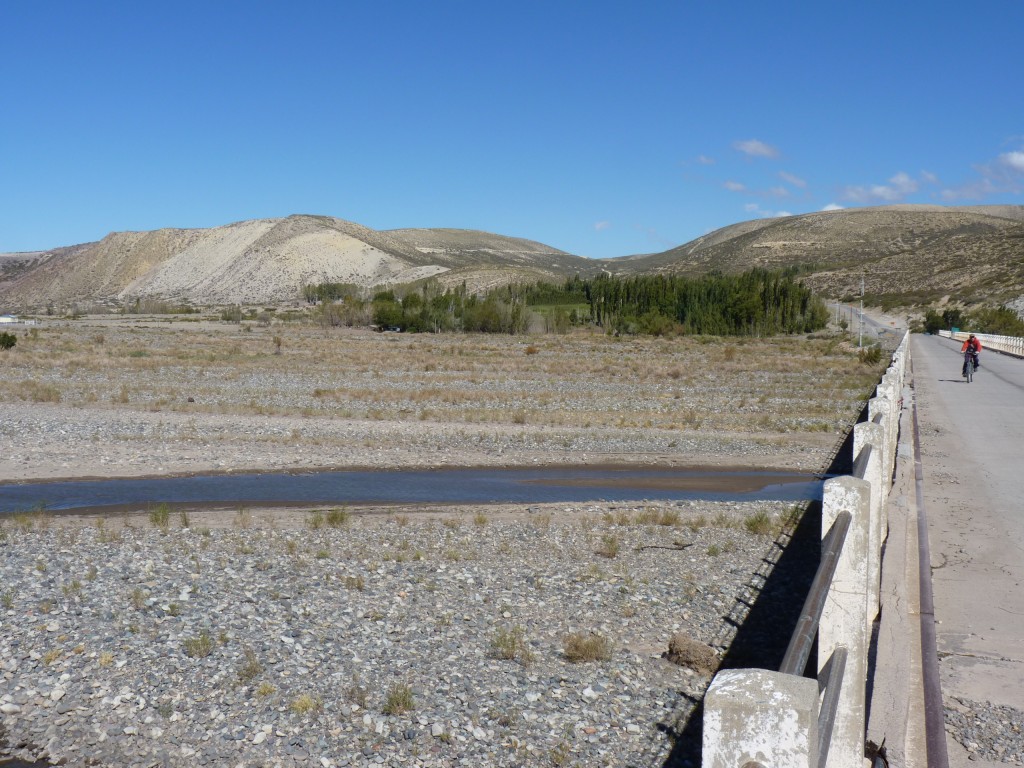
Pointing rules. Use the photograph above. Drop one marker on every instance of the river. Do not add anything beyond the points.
(437, 486)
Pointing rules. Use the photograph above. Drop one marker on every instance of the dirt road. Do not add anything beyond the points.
(973, 463)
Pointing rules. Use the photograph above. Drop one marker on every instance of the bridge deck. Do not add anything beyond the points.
(972, 454)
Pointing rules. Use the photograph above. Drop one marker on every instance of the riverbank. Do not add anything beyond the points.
(124, 397)
(489, 637)
(484, 635)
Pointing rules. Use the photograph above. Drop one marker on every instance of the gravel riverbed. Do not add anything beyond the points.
(255, 639)
(409, 638)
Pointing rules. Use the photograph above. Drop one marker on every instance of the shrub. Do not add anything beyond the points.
(511, 644)
(759, 523)
(38, 391)
(7, 340)
(160, 516)
(337, 517)
(138, 598)
(356, 693)
(669, 517)
(305, 704)
(579, 647)
(232, 314)
(355, 582)
(870, 355)
(609, 547)
(250, 668)
(399, 700)
(199, 647)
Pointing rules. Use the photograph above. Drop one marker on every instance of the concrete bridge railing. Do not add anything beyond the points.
(771, 718)
(1011, 345)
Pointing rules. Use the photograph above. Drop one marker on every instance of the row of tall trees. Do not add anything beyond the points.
(996, 320)
(755, 303)
(452, 310)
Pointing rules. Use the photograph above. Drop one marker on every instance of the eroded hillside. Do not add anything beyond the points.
(905, 255)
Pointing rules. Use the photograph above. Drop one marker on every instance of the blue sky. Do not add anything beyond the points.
(601, 128)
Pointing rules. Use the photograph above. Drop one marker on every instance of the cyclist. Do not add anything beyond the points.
(972, 345)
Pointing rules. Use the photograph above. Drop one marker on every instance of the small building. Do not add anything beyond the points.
(8, 319)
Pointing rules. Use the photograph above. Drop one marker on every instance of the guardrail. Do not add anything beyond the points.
(1011, 345)
(764, 717)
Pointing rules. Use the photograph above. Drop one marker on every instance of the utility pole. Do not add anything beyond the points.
(860, 341)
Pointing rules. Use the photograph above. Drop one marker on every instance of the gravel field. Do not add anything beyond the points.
(433, 637)
(987, 731)
(116, 397)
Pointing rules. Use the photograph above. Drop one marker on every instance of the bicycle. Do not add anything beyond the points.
(968, 369)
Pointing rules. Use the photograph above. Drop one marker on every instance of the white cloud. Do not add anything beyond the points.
(929, 178)
(602, 225)
(796, 181)
(974, 190)
(1013, 160)
(705, 160)
(832, 207)
(755, 148)
(1004, 174)
(898, 188)
(734, 186)
(763, 213)
(778, 192)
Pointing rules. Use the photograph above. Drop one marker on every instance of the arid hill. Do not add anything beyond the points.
(904, 254)
(268, 261)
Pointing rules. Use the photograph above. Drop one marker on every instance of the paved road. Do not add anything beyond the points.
(972, 452)
(877, 327)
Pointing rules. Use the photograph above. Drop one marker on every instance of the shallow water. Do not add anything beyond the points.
(438, 486)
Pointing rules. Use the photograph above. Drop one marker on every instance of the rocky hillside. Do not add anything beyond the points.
(904, 254)
(268, 261)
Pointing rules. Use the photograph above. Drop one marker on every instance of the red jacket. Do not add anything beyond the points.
(977, 344)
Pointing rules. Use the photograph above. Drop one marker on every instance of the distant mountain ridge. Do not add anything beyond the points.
(904, 254)
(910, 253)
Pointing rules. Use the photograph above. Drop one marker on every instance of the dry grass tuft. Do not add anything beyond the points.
(511, 644)
(399, 700)
(579, 647)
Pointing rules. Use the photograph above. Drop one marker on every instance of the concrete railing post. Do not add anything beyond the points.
(865, 434)
(844, 621)
(754, 715)
(881, 409)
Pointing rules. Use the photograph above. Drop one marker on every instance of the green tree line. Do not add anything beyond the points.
(1001, 321)
(755, 303)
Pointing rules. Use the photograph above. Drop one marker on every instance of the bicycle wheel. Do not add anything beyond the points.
(970, 371)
